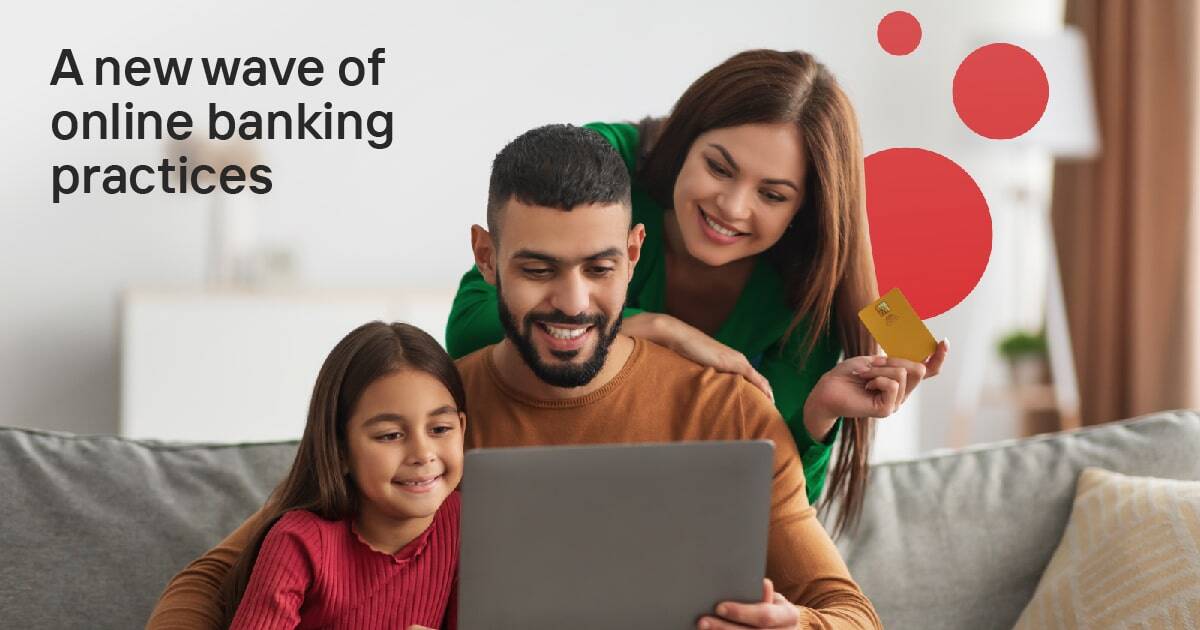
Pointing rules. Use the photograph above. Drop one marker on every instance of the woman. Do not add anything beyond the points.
(757, 256)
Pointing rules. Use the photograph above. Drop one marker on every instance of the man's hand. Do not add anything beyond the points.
(774, 611)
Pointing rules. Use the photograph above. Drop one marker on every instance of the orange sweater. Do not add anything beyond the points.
(658, 396)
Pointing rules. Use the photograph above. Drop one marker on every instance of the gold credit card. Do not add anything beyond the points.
(897, 328)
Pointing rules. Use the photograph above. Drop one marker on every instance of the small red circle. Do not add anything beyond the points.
(899, 33)
(931, 230)
(1000, 91)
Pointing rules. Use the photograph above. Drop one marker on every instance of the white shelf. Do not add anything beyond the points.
(239, 365)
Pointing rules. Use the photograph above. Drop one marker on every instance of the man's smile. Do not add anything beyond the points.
(565, 337)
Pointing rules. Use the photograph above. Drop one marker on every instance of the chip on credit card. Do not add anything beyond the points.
(895, 325)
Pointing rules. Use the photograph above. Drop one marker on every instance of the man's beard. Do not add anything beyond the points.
(565, 374)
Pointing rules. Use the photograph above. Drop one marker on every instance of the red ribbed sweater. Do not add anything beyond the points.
(314, 573)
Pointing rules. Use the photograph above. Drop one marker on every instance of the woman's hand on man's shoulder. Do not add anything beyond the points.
(694, 344)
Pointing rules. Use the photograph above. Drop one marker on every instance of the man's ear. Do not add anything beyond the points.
(485, 252)
(637, 236)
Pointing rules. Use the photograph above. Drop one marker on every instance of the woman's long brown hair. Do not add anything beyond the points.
(825, 254)
(316, 481)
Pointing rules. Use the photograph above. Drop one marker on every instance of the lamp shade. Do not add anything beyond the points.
(1068, 128)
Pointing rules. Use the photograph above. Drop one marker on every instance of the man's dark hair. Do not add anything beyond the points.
(556, 166)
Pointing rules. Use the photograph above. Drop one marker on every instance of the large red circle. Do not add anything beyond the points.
(931, 231)
(1000, 91)
(899, 33)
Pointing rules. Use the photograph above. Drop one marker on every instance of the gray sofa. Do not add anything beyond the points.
(91, 528)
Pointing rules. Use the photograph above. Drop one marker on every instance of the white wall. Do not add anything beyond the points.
(462, 79)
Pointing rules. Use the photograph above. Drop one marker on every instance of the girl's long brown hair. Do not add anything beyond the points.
(825, 254)
(316, 481)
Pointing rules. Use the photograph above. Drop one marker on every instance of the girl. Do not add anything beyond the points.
(757, 256)
(363, 531)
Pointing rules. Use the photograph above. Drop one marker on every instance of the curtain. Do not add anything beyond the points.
(1123, 223)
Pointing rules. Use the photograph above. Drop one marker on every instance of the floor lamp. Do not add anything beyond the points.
(1066, 131)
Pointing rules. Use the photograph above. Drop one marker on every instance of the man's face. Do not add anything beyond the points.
(561, 277)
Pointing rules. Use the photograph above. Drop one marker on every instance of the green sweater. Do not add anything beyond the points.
(755, 327)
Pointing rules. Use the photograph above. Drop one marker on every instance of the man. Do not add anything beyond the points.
(560, 251)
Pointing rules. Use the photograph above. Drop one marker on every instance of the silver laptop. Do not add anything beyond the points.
(622, 536)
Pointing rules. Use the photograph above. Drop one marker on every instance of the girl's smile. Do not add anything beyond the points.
(419, 485)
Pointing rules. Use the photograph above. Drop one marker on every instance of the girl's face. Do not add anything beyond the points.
(738, 190)
(405, 445)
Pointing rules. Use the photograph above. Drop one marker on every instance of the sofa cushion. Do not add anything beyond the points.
(1130, 557)
(960, 539)
(92, 528)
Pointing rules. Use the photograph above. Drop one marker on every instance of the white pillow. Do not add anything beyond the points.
(1130, 557)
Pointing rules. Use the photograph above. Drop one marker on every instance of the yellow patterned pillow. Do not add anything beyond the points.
(1130, 557)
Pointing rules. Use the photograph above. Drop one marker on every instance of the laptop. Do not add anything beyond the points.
(612, 536)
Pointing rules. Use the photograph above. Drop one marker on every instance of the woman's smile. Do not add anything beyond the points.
(717, 231)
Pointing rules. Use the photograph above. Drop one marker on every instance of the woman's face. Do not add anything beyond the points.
(738, 190)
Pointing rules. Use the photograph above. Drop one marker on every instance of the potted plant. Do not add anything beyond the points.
(1027, 358)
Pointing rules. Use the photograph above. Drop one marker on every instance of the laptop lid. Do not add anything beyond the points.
(612, 536)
